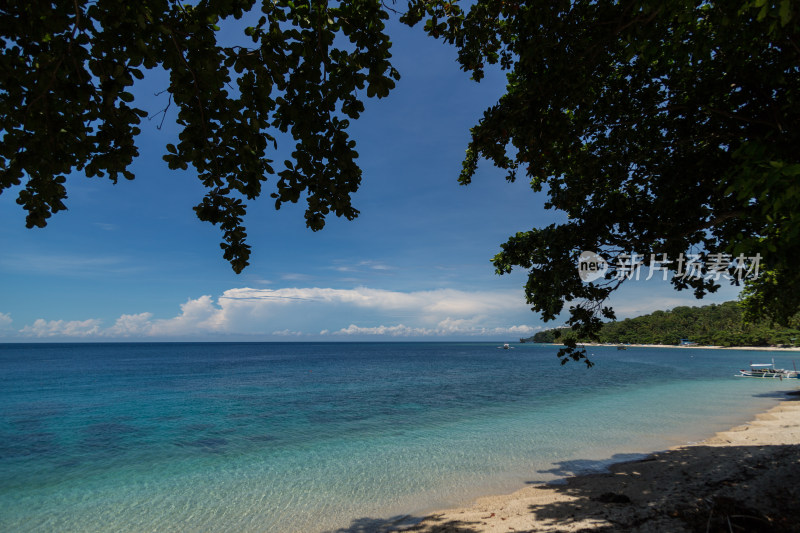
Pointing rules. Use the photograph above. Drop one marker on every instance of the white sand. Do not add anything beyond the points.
(743, 479)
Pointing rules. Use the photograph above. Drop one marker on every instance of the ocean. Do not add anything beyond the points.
(312, 437)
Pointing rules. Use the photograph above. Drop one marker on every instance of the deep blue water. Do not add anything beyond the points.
(310, 436)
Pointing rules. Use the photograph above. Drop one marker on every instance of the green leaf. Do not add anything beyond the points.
(785, 12)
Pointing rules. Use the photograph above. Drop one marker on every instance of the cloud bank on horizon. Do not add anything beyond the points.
(297, 313)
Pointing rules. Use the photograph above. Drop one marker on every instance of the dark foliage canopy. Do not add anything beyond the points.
(658, 128)
(68, 68)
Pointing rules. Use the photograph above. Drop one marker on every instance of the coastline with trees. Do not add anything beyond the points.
(710, 325)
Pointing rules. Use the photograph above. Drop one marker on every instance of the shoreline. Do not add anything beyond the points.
(694, 347)
(743, 477)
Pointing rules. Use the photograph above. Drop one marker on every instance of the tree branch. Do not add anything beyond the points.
(196, 83)
(742, 119)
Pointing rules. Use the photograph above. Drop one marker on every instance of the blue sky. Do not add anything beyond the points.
(131, 261)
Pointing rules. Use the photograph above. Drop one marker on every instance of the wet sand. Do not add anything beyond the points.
(743, 479)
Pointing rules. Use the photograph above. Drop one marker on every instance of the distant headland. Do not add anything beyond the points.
(715, 325)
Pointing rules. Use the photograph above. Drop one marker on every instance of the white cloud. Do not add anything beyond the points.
(435, 302)
(62, 328)
(287, 333)
(524, 329)
(446, 328)
(296, 277)
(131, 326)
(287, 312)
(5, 322)
(248, 309)
(362, 266)
(200, 316)
(392, 331)
(460, 324)
(68, 265)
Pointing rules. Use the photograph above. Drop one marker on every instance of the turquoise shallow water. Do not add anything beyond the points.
(312, 437)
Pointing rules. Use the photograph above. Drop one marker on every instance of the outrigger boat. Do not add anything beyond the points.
(768, 370)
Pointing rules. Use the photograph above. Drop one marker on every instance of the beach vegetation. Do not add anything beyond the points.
(710, 325)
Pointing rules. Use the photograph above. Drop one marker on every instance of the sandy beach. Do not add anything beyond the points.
(704, 347)
(743, 479)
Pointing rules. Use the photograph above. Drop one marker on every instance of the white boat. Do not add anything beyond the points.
(768, 370)
(506, 346)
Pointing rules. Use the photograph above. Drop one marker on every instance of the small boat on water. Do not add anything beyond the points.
(768, 370)
(506, 346)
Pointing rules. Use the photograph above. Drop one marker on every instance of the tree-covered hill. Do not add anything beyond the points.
(719, 325)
